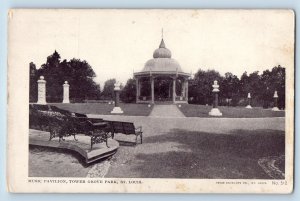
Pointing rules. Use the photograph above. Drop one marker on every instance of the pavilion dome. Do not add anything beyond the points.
(162, 61)
(162, 51)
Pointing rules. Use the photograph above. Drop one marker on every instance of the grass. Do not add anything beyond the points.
(105, 109)
(201, 155)
(190, 110)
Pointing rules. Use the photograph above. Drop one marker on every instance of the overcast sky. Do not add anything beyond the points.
(117, 42)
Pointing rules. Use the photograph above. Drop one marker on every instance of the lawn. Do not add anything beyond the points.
(105, 109)
(190, 110)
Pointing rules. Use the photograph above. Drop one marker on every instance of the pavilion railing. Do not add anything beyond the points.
(180, 98)
(144, 98)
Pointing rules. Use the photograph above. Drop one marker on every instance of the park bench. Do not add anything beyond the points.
(126, 128)
(62, 123)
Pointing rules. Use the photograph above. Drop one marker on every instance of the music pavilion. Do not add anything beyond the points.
(162, 79)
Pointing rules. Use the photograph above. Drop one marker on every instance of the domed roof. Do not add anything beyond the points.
(162, 64)
(162, 51)
(162, 60)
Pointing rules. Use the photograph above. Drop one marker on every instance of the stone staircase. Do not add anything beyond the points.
(166, 111)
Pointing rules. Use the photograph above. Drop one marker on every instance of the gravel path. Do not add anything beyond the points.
(166, 111)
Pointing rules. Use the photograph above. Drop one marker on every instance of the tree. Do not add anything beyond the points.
(252, 84)
(128, 93)
(108, 89)
(201, 89)
(272, 81)
(244, 83)
(78, 73)
(231, 88)
(33, 88)
(82, 80)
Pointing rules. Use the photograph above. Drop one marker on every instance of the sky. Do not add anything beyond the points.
(117, 43)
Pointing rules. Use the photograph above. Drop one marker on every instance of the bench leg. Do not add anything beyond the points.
(141, 136)
(95, 140)
(75, 137)
(52, 134)
(61, 138)
(106, 143)
(50, 138)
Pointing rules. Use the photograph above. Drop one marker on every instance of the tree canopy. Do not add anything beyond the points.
(79, 75)
(128, 93)
(234, 91)
(201, 87)
(108, 89)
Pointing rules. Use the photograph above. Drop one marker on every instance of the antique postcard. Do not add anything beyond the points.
(150, 101)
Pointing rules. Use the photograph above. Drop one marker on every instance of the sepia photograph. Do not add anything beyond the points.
(153, 100)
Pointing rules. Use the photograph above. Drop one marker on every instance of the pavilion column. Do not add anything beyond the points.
(170, 86)
(174, 89)
(183, 89)
(152, 90)
(186, 90)
(137, 89)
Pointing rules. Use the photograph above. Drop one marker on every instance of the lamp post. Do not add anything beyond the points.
(275, 108)
(249, 101)
(117, 109)
(215, 111)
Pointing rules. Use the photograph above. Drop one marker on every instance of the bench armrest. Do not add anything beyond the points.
(95, 120)
(139, 128)
(89, 122)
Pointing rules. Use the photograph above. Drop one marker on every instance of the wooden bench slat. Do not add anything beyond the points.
(126, 128)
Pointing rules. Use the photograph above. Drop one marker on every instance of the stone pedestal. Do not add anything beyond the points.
(66, 92)
(215, 110)
(249, 101)
(117, 109)
(275, 108)
(41, 91)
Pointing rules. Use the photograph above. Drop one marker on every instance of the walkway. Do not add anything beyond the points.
(166, 111)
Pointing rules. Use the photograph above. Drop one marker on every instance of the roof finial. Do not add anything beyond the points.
(162, 43)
